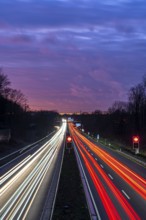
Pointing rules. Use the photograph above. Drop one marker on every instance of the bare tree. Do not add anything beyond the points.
(118, 106)
(4, 83)
(136, 104)
(97, 112)
(144, 81)
(17, 97)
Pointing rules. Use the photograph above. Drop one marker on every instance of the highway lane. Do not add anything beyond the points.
(25, 185)
(118, 191)
(9, 160)
(132, 164)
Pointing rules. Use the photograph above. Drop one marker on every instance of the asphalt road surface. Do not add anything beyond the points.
(117, 185)
(28, 182)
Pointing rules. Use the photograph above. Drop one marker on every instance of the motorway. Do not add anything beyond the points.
(28, 182)
(116, 185)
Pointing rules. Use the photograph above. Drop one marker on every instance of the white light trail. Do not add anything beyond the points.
(19, 203)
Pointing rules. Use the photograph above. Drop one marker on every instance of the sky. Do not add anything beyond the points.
(73, 55)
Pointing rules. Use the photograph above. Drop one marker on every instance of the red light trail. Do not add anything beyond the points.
(91, 165)
(133, 179)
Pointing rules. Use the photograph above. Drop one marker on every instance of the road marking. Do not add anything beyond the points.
(125, 194)
(110, 176)
(101, 165)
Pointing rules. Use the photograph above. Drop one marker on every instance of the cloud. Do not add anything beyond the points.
(68, 13)
(22, 39)
(76, 54)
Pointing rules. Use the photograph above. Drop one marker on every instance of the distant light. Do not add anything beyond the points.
(70, 119)
(135, 139)
(63, 120)
(78, 124)
(69, 139)
(57, 127)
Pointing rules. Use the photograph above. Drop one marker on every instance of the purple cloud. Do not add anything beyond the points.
(73, 55)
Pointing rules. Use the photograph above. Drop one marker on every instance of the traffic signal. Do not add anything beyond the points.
(68, 142)
(68, 139)
(135, 140)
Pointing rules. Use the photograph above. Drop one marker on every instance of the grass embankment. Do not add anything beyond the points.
(126, 148)
(70, 202)
(116, 145)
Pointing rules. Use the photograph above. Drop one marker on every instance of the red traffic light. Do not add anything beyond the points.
(69, 139)
(135, 139)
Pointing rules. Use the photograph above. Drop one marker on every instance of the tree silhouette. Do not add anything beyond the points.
(136, 104)
(4, 83)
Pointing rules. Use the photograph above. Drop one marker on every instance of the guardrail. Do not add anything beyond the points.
(94, 213)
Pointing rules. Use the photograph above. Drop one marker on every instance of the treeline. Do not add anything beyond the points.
(16, 116)
(122, 120)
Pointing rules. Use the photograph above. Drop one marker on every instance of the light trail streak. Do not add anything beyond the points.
(107, 202)
(33, 186)
(19, 203)
(36, 190)
(133, 179)
(11, 172)
(120, 198)
(13, 179)
(93, 207)
(123, 202)
(26, 183)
